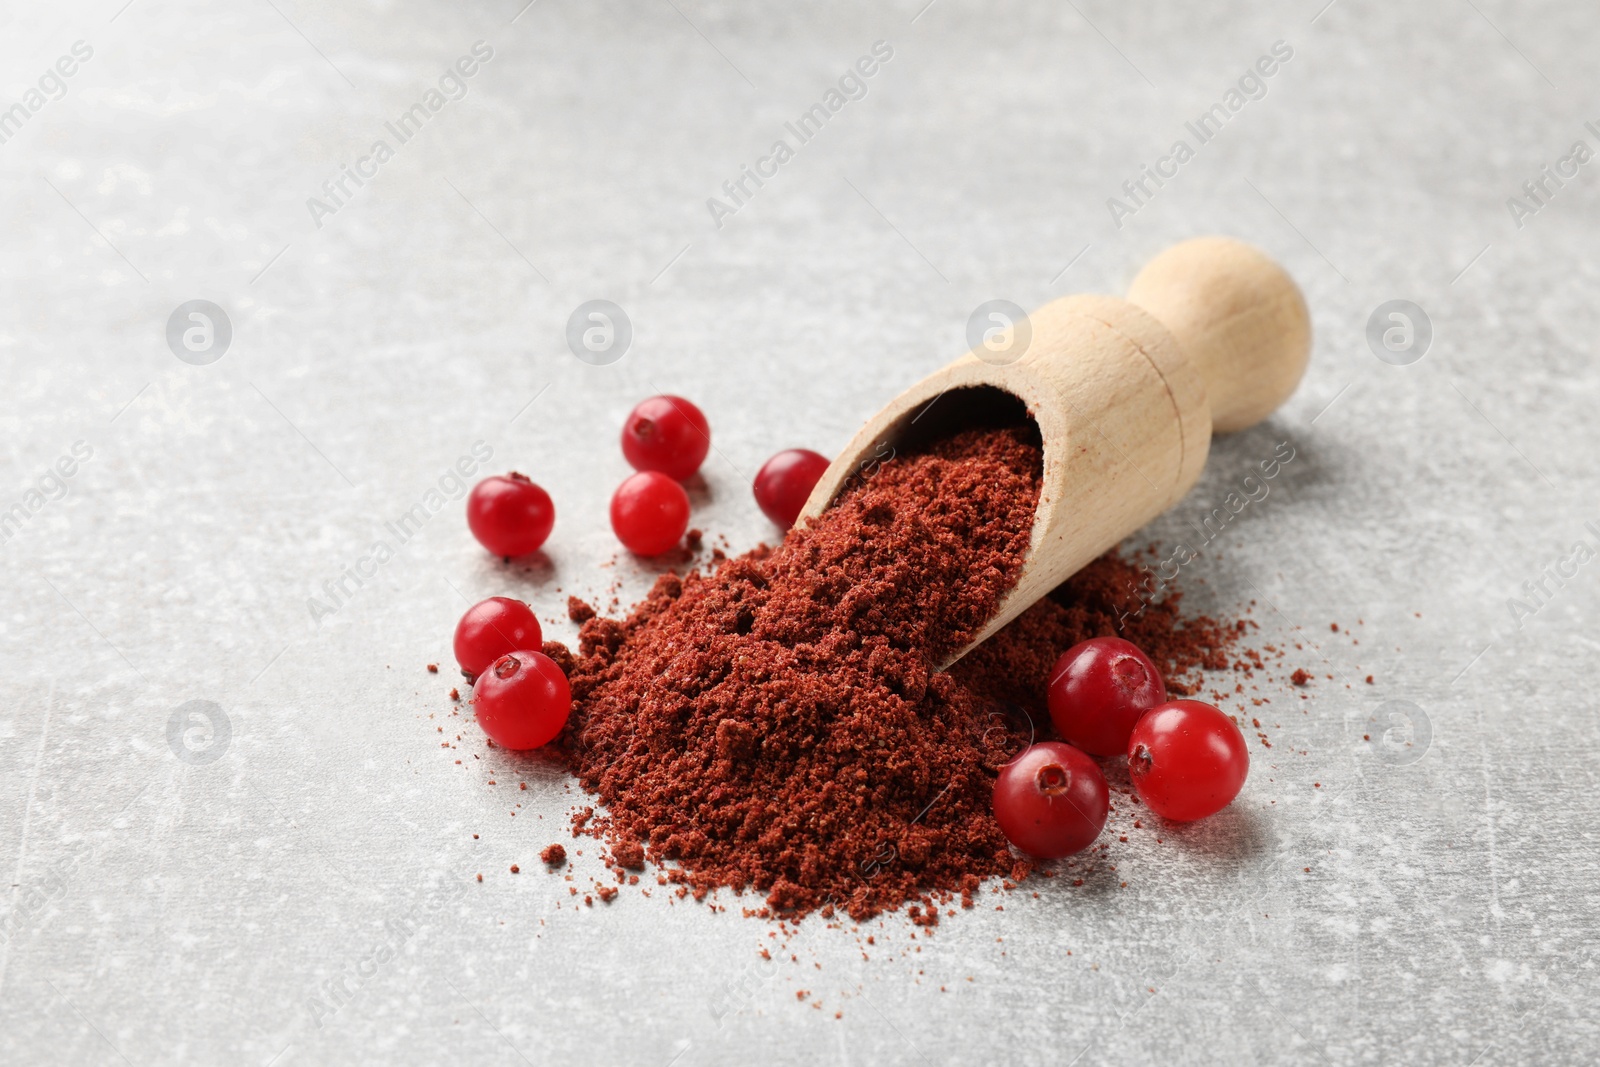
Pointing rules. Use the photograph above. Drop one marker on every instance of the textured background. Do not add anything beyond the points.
(193, 896)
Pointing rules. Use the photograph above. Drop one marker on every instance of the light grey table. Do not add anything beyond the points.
(294, 883)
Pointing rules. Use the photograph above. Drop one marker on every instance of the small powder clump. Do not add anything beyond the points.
(553, 855)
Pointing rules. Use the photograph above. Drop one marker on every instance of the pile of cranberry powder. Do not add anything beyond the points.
(779, 723)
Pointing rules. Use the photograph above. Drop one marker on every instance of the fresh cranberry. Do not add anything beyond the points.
(1187, 760)
(1098, 690)
(490, 629)
(785, 481)
(666, 434)
(1051, 801)
(649, 513)
(522, 700)
(510, 516)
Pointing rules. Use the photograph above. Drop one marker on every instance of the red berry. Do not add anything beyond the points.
(510, 516)
(1187, 760)
(649, 513)
(490, 629)
(1051, 801)
(666, 434)
(1098, 690)
(522, 700)
(785, 481)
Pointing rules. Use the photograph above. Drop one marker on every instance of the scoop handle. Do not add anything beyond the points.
(1239, 319)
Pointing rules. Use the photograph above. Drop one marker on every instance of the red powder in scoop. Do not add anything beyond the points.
(777, 724)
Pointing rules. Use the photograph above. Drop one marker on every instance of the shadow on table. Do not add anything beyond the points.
(1236, 838)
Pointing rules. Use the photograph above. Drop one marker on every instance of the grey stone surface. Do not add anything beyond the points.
(185, 895)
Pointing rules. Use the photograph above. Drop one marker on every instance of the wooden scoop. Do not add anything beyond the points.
(1126, 393)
